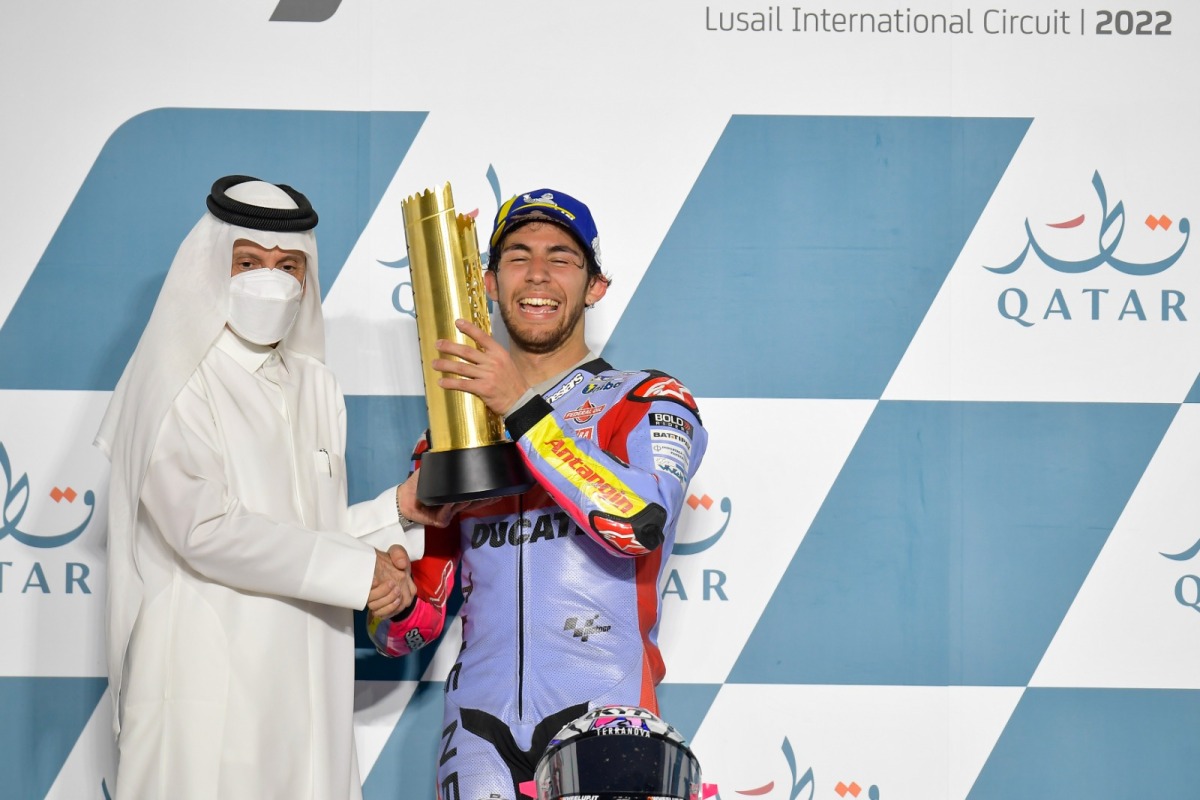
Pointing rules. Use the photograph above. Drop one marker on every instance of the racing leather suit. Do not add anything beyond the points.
(560, 584)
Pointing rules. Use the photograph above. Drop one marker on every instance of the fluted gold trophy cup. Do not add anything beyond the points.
(468, 458)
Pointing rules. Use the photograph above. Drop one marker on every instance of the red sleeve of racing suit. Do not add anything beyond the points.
(422, 621)
(617, 487)
(433, 574)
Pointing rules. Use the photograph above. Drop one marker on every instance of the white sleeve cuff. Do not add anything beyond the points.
(340, 572)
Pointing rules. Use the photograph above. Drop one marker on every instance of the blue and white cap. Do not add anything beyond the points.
(547, 205)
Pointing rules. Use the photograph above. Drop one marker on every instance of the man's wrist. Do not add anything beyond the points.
(405, 522)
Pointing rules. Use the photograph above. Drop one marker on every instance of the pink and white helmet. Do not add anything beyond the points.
(618, 753)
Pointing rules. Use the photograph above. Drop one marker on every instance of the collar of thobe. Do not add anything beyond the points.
(250, 357)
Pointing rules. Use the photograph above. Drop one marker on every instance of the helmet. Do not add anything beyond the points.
(618, 753)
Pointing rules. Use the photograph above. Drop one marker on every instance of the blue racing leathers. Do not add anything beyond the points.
(560, 584)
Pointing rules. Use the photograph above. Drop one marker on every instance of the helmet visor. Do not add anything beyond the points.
(619, 766)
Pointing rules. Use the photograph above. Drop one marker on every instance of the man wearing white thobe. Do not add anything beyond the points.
(235, 563)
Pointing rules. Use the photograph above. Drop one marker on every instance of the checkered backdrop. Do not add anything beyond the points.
(926, 266)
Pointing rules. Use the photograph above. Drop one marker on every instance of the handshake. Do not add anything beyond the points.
(392, 589)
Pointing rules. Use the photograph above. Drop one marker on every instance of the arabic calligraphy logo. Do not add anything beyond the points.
(16, 501)
(402, 296)
(1187, 588)
(808, 781)
(705, 502)
(1112, 228)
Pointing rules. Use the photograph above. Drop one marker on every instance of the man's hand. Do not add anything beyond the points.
(488, 372)
(422, 623)
(392, 589)
(411, 507)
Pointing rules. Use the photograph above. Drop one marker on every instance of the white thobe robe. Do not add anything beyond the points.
(239, 677)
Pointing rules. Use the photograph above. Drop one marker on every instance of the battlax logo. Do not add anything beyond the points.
(588, 627)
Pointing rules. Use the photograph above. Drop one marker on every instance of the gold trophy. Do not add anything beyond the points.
(468, 458)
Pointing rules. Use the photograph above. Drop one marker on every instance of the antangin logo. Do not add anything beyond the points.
(1095, 302)
(594, 484)
(581, 629)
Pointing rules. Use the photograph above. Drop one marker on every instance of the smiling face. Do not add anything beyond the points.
(541, 285)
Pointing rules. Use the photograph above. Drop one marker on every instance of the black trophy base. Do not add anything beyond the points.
(473, 473)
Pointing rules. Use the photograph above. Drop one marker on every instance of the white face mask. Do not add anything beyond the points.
(263, 304)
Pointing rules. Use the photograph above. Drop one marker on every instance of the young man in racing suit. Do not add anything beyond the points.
(560, 584)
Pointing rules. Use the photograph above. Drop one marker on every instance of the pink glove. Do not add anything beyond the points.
(422, 622)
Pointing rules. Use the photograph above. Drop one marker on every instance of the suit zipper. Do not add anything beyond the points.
(520, 608)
